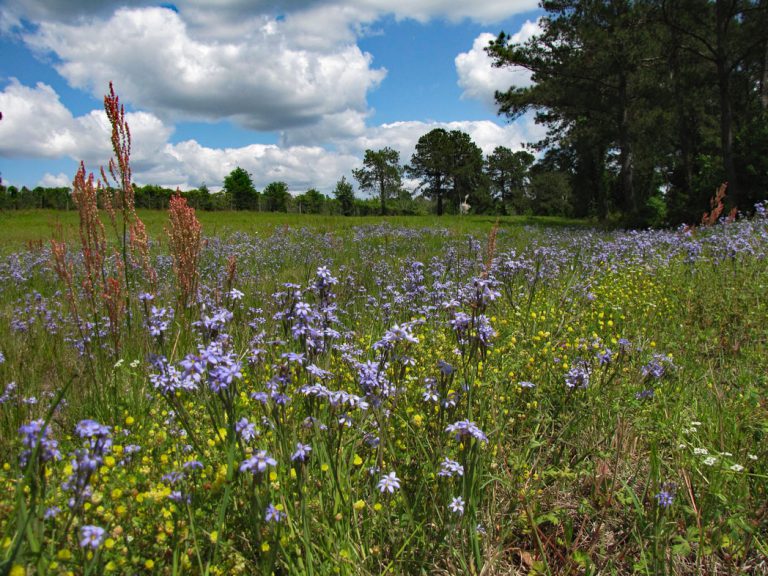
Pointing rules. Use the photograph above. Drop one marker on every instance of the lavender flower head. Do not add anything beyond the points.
(394, 335)
(227, 370)
(302, 452)
(457, 505)
(87, 459)
(578, 376)
(8, 393)
(324, 278)
(159, 320)
(465, 428)
(274, 514)
(245, 429)
(91, 537)
(35, 433)
(389, 483)
(657, 367)
(666, 495)
(92, 430)
(449, 467)
(170, 379)
(257, 463)
(485, 331)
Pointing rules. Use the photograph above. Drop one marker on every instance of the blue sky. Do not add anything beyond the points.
(293, 91)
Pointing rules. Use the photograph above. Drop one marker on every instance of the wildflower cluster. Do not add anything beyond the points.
(412, 403)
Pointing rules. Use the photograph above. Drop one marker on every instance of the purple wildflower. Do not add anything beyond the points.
(235, 294)
(293, 357)
(450, 467)
(389, 483)
(159, 320)
(91, 536)
(657, 367)
(33, 434)
(246, 429)
(8, 393)
(464, 428)
(578, 376)
(273, 514)
(91, 429)
(460, 322)
(445, 368)
(169, 380)
(606, 357)
(86, 460)
(485, 332)
(179, 497)
(51, 512)
(666, 495)
(173, 477)
(394, 335)
(645, 394)
(225, 373)
(457, 505)
(302, 452)
(257, 463)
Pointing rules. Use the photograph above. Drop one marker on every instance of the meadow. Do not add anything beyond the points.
(292, 395)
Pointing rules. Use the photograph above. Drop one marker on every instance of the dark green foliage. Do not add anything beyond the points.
(199, 199)
(345, 196)
(648, 102)
(239, 186)
(550, 194)
(381, 174)
(431, 163)
(468, 179)
(311, 202)
(450, 166)
(508, 174)
(276, 197)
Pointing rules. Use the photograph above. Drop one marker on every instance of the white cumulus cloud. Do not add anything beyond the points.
(59, 180)
(189, 164)
(36, 124)
(233, 18)
(403, 136)
(480, 79)
(261, 81)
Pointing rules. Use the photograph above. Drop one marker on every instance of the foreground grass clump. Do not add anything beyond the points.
(385, 399)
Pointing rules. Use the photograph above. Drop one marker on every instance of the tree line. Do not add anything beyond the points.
(449, 173)
(448, 170)
(649, 104)
(158, 198)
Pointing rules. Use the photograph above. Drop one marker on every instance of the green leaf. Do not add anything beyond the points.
(548, 517)
(681, 547)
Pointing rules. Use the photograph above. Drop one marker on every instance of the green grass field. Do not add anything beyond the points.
(318, 395)
(21, 227)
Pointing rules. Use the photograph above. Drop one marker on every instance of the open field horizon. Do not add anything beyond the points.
(19, 227)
